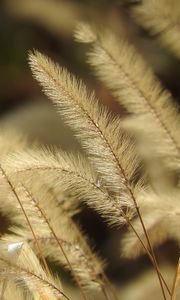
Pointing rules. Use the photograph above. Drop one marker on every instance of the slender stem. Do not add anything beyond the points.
(104, 277)
(103, 274)
(128, 221)
(29, 273)
(129, 189)
(59, 243)
(106, 296)
(150, 247)
(145, 248)
(175, 280)
(138, 236)
(111, 287)
(27, 219)
(86, 246)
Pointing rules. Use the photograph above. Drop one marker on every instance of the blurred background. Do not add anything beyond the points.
(47, 25)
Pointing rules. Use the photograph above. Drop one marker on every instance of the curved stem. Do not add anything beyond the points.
(146, 249)
(106, 296)
(175, 280)
(27, 219)
(59, 244)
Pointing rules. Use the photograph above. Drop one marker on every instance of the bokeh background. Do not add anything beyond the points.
(48, 25)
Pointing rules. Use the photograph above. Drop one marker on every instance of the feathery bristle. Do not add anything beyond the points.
(76, 176)
(162, 19)
(28, 271)
(84, 33)
(120, 67)
(97, 131)
(158, 211)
